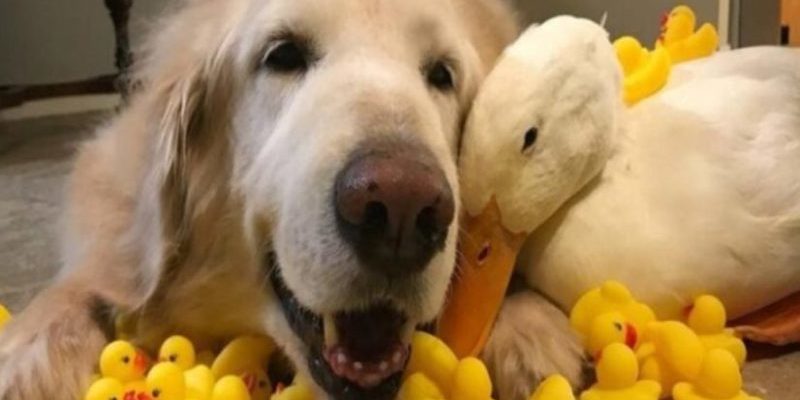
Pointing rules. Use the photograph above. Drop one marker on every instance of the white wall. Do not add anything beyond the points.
(45, 41)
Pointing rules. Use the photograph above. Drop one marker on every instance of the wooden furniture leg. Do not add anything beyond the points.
(120, 14)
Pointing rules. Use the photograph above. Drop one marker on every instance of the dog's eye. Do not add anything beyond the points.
(439, 76)
(530, 138)
(290, 55)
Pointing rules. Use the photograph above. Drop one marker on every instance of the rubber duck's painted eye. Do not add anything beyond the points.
(173, 357)
(484, 253)
(126, 359)
(156, 393)
(530, 138)
(618, 326)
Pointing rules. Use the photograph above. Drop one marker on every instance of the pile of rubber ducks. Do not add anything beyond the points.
(645, 71)
(639, 358)
(435, 373)
(236, 373)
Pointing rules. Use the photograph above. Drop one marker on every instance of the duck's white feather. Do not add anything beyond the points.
(702, 194)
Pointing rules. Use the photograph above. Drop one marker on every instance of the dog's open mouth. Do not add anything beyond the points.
(351, 354)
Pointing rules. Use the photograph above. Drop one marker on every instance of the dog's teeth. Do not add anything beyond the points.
(384, 366)
(397, 357)
(358, 365)
(330, 332)
(341, 358)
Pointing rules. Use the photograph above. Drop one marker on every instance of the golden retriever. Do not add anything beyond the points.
(286, 167)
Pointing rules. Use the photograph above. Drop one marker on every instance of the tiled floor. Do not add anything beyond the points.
(35, 156)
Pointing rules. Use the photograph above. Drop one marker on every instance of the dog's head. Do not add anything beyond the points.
(328, 132)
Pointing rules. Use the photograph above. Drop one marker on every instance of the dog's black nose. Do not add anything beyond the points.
(394, 206)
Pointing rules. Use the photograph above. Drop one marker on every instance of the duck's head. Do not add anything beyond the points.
(719, 376)
(610, 327)
(165, 381)
(230, 388)
(555, 387)
(105, 389)
(121, 360)
(179, 350)
(616, 367)
(677, 25)
(540, 128)
(707, 315)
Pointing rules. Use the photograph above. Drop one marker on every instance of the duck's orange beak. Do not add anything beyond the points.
(140, 362)
(486, 263)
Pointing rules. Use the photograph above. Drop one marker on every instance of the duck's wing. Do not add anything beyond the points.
(751, 103)
(759, 63)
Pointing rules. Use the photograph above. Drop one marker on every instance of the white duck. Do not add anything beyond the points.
(695, 190)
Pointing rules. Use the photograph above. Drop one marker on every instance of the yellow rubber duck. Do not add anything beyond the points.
(611, 297)
(418, 386)
(165, 381)
(471, 381)
(431, 357)
(121, 360)
(555, 387)
(433, 365)
(719, 379)
(645, 72)
(179, 350)
(671, 353)
(136, 390)
(707, 318)
(199, 382)
(300, 389)
(681, 40)
(230, 388)
(245, 354)
(5, 316)
(258, 384)
(617, 372)
(105, 389)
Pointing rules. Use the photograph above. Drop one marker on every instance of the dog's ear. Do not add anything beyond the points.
(188, 167)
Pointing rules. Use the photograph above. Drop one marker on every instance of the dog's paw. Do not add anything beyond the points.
(531, 340)
(49, 351)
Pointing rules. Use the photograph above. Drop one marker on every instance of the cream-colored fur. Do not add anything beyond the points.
(176, 201)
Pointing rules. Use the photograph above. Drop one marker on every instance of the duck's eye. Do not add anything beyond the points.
(618, 326)
(126, 359)
(438, 75)
(484, 253)
(173, 357)
(156, 393)
(530, 138)
(289, 55)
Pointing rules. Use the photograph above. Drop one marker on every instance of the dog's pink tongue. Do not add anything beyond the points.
(366, 374)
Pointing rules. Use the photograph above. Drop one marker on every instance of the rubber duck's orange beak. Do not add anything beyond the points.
(140, 362)
(487, 256)
(631, 336)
